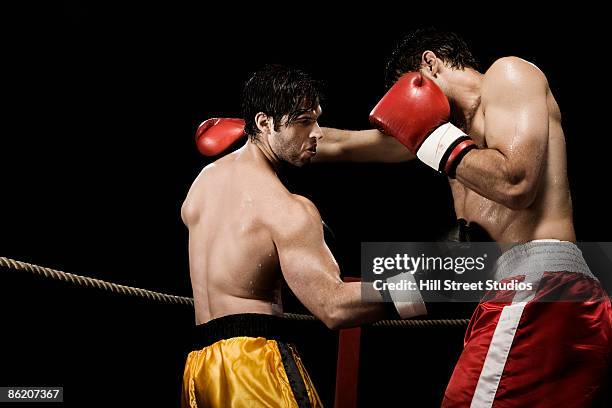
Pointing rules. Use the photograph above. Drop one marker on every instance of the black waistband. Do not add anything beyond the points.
(244, 324)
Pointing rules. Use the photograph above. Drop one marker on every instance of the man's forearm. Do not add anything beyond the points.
(330, 147)
(339, 145)
(351, 306)
(489, 173)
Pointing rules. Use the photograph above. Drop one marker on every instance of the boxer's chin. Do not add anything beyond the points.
(301, 160)
(306, 156)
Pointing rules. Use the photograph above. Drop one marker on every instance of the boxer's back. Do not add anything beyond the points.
(232, 258)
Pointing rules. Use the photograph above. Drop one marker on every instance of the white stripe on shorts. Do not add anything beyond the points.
(530, 260)
(495, 361)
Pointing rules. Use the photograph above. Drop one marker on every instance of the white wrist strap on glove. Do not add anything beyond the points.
(409, 303)
(435, 150)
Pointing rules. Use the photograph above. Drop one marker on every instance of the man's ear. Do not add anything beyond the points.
(263, 122)
(430, 63)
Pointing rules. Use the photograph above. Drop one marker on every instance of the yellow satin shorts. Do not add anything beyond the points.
(247, 371)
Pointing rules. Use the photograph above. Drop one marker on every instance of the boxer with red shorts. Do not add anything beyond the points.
(497, 135)
(498, 138)
(545, 347)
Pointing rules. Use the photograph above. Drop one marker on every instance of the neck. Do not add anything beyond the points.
(464, 94)
(261, 151)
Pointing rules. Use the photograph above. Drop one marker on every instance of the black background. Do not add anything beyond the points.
(97, 153)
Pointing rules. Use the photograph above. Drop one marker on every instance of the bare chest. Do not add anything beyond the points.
(475, 127)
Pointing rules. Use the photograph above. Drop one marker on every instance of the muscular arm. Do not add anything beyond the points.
(360, 146)
(508, 171)
(312, 272)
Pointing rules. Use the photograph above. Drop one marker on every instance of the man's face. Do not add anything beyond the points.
(296, 142)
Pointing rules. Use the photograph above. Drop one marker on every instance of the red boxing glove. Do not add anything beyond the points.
(217, 134)
(415, 111)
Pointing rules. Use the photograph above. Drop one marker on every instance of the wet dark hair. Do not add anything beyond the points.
(406, 56)
(278, 91)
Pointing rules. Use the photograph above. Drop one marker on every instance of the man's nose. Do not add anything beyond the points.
(317, 133)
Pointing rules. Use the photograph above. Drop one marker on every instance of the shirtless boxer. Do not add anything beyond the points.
(246, 233)
(498, 137)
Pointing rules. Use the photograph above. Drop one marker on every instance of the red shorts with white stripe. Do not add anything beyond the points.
(550, 347)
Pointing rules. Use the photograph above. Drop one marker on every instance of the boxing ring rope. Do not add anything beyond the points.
(93, 283)
(85, 281)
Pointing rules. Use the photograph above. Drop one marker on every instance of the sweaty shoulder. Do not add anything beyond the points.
(209, 177)
(299, 217)
(512, 76)
(190, 208)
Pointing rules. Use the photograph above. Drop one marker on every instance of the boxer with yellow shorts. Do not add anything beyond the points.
(247, 233)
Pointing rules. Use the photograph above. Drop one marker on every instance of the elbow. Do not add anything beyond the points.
(331, 318)
(335, 318)
(519, 196)
(332, 325)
